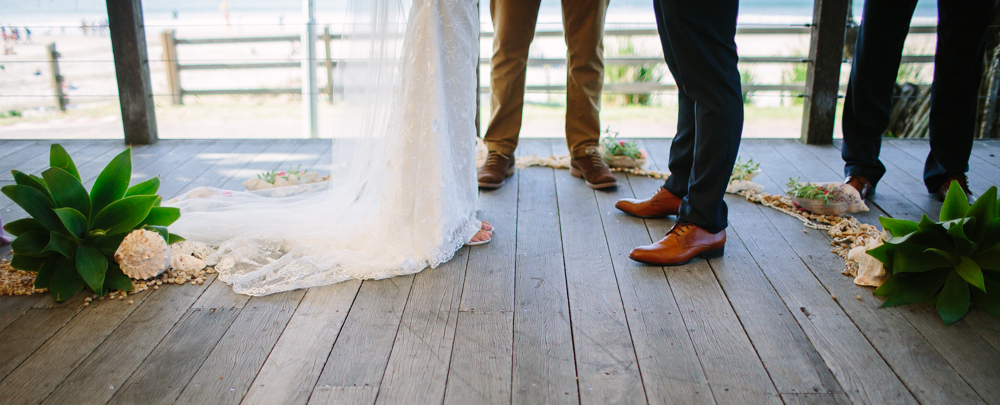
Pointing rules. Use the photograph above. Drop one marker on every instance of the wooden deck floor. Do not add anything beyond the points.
(551, 312)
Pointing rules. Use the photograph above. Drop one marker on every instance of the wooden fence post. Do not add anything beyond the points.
(328, 63)
(57, 79)
(135, 91)
(826, 52)
(169, 42)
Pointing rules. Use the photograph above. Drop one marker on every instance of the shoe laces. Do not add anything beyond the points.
(493, 158)
(595, 157)
(679, 228)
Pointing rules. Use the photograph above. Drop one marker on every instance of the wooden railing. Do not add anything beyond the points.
(814, 129)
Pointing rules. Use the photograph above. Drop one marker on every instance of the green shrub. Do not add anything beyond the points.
(950, 263)
(71, 237)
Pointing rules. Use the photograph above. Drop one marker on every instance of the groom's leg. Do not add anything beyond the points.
(514, 28)
(583, 21)
(701, 37)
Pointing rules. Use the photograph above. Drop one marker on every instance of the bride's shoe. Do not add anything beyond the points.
(470, 242)
(485, 229)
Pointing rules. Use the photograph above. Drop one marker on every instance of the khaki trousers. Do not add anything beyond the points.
(514, 27)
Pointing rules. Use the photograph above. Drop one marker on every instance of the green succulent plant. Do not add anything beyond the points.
(71, 237)
(949, 264)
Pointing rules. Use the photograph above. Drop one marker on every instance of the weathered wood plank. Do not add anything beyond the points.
(987, 326)
(987, 151)
(810, 399)
(918, 365)
(30, 331)
(823, 72)
(480, 370)
(135, 91)
(418, 364)
(668, 363)
(356, 365)
(543, 341)
(294, 365)
(971, 356)
(11, 149)
(175, 179)
(981, 174)
(169, 367)
(39, 374)
(13, 307)
(733, 368)
(35, 157)
(177, 163)
(242, 351)
(111, 363)
(860, 370)
(605, 355)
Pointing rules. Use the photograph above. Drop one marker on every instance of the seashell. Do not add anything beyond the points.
(736, 186)
(183, 257)
(256, 184)
(143, 254)
(201, 192)
(281, 182)
(871, 272)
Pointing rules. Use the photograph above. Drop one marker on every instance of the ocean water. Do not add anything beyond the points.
(269, 16)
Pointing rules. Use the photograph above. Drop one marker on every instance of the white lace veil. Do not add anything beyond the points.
(366, 222)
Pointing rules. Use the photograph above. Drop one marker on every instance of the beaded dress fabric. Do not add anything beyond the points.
(403, 193)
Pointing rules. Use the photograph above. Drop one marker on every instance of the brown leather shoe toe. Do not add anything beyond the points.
(661, 204)
(683, 243)
(861, 184)
(962, 180)
(498, 167)
(591, 167)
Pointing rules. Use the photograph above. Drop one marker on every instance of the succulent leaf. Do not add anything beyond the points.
(919, 287)
(108, 244)
(883, 253)
(162, 216)
(950, 257)
(956, 204)
(112, 183)
(125, 214)
(954, 300)
(115, 279)
(984, 211)
(988, 259)
(73, 220)
(92, 266)
(35, 204)
(148, 187)
(23, 179)
(174, 239)
(989, 300)
(60, 244)
(47, 269)
(67, 191)
(24, 225)
(27, 263)
(913, 259)
(65, 282)
(962, 243)
(30, 244)
(971, 273)
(58, 157)
(898, 227)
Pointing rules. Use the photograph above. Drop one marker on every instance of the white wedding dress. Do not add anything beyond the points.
(403, 195)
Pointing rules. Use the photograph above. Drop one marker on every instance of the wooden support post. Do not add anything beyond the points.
(57, 79)
(826, 51)
(169, 42)
(135, 91)
(328, 63)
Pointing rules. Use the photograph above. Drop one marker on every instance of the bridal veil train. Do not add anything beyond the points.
(402, 194)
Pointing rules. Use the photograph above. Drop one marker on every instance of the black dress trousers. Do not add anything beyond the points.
(958, 67)
(699, 47)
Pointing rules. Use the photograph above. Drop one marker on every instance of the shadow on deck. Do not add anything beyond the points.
(552, 311)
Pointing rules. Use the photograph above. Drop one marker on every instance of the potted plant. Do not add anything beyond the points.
(950, 263)
(71, 236)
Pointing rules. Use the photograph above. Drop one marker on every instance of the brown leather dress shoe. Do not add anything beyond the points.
(661, 204)
(498, 167)
(942, 191)
(861, 184)
(683, 243)
(591, 167)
